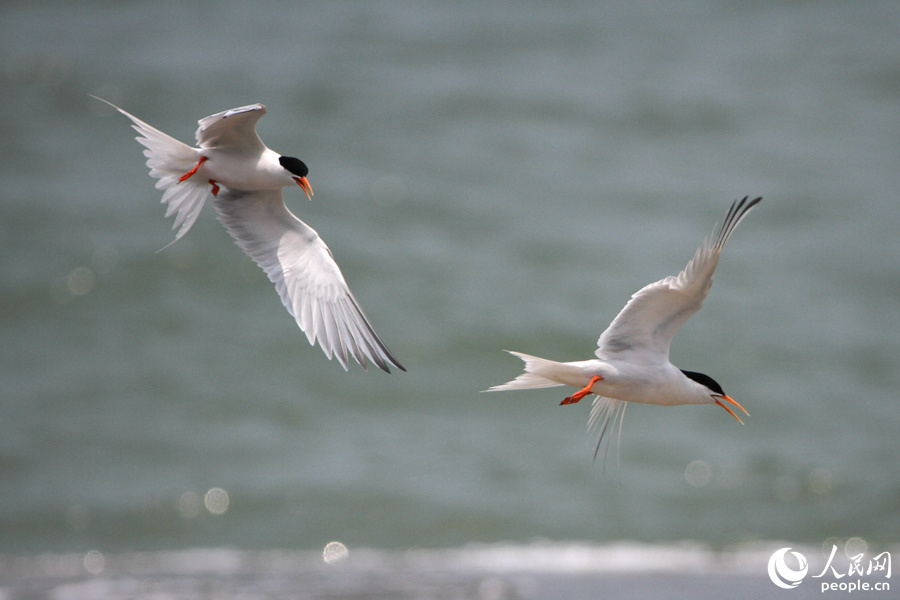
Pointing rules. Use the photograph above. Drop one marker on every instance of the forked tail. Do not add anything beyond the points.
(169, 160)
(541, 373)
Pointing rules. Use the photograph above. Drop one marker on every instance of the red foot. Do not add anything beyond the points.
(215, 188)
(574, 398)
(194, 170)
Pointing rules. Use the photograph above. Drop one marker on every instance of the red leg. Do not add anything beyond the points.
(582, 392)
(215, 188)
(194, 170)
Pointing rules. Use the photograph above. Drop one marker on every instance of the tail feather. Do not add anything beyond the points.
(169, 159)
(540, 373)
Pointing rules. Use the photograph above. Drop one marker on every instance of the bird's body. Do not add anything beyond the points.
(632, 357)
(237, 157)
(246, 180)
(661, 383)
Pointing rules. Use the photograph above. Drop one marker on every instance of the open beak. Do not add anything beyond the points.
(304, 183)
(733, 401)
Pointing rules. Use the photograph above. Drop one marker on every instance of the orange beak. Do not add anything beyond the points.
(304, 183)
(733, 401)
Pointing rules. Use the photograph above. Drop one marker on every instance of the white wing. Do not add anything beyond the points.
(234, 128)
(643, 330)
(308, 280)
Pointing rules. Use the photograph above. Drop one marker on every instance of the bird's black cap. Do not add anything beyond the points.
(294, 165)
(706, 380)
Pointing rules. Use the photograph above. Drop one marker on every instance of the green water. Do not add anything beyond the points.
(488, 177)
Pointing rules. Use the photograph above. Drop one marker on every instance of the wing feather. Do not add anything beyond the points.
(647, 323)
(305, 275)
(605, 412)
(234, 128)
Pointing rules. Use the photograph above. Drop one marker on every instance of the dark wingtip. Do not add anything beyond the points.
(736, 213)
(384, 367)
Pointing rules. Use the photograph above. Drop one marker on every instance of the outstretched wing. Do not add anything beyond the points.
(308, 280)
(235, 129)
(644, 328)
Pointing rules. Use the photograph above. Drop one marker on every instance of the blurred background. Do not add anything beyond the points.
(489, 176)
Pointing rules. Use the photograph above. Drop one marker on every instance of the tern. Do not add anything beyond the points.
(632, 363)
(245, 179)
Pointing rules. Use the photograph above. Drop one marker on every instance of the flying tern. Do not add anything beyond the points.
(245, 179)
(632, 363)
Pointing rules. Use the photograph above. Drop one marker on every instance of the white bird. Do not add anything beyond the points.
(245, 178)
(632, 363)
